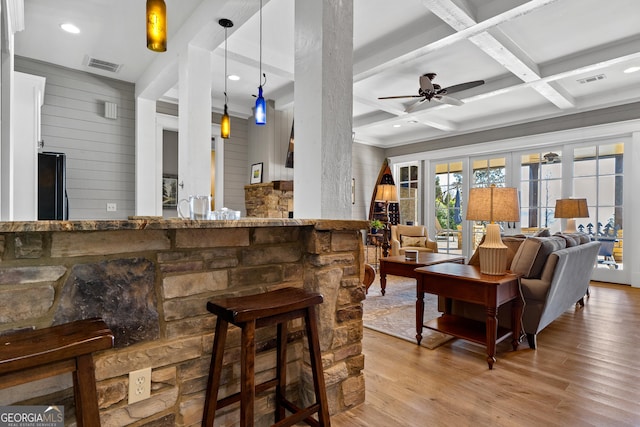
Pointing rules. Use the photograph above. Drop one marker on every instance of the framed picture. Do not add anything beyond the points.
(256, 173)
(169, 191)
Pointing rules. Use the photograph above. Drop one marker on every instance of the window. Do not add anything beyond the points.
(540, 187)
(448, 206)
(408, 196)
(598, 177)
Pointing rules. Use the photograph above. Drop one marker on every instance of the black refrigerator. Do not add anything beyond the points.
(52, 187)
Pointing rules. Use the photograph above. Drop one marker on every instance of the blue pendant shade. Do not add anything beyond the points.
(261, 109)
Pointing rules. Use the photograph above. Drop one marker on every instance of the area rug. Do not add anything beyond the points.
(395, 313)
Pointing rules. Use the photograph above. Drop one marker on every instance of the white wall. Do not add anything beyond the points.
(100, 152)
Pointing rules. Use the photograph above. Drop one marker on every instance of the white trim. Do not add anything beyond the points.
(169, 122)
(598, 132)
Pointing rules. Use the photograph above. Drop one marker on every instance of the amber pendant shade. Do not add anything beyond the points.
(156, 25)
(225, 124)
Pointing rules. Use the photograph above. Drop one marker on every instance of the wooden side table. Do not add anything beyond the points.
(401, 266)
(466, 283)
(375, 241)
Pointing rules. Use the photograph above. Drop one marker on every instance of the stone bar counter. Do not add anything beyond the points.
(150, 279)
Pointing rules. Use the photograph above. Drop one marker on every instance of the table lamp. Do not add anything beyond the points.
(386, 192)
(571, 209)
(493, 204)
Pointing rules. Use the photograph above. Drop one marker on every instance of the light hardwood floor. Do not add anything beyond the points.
(585, 372)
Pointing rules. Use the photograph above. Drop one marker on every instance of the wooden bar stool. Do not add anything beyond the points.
(36, 354)
(256, 311)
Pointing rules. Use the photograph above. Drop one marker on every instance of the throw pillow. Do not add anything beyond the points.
(542, 233)
(532, 255)
(413, 241)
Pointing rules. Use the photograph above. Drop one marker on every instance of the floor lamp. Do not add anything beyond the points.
(493, 204)
(386, 192)
(571, 209)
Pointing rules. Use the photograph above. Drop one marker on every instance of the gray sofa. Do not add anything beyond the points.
(555, 271)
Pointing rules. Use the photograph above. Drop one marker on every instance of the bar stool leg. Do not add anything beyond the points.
(247, 377)
(84, 391)
(215, 370)
(281, 387)
(316, 365)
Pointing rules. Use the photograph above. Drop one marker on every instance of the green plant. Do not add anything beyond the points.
(376, 224)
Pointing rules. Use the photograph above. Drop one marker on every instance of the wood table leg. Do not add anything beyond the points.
(516, 322)
(492, 333)
(419, 312)
(383, 281)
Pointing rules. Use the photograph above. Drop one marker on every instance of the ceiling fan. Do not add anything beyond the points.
(429, 91)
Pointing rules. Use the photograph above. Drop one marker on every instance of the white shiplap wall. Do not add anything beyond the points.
(100, 152)
(366, 162)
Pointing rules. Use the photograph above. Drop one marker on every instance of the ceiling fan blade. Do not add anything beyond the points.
(448, 100)
(415, 105)
(462, 86)
(400, 96)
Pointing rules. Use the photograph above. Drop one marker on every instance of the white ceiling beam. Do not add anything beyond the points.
(385, 62)
(457, 13)
(498, 46)
(557, 95)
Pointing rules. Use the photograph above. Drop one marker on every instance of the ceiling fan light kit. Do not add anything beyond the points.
(225, 122)
(432, 91)
(156, 25)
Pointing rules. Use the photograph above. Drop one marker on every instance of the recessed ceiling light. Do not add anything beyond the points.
(70, 28)
(234, 77)
(632, 70)
(396, 126)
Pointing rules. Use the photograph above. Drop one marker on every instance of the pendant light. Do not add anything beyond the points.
(260, 110)
(156, 25)
(225, 122)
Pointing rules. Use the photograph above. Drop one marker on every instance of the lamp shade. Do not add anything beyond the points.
(156, 25)
(571, 208)
(493, 204)
(386, 193)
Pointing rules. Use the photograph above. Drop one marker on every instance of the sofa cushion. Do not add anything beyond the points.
(532, 255)
(569, 238)
(417, 241)
(410, 230)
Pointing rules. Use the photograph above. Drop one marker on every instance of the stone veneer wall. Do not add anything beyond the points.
(151, 287)
(269, 200)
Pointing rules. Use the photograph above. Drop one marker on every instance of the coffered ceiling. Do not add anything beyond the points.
(539, 59)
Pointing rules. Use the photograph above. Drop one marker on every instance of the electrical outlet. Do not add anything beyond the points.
(111, 207)
(139, 385)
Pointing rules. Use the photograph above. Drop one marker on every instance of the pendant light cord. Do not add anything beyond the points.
(225, 65)
(260, 75)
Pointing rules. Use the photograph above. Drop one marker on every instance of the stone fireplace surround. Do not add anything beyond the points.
(150, 280)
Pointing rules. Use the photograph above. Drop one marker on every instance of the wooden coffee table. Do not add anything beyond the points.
(400, 266)
(466, 283)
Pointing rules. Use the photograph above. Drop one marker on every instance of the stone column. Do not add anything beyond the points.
(323, 108)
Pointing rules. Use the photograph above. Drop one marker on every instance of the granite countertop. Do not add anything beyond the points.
(158, 223)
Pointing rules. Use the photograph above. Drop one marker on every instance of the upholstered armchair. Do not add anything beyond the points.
(414, 237)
